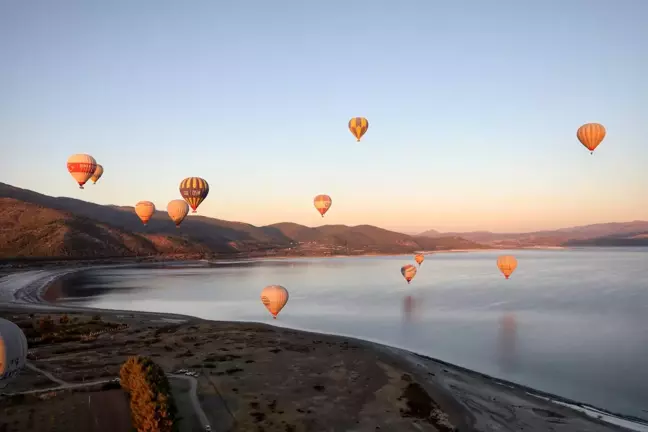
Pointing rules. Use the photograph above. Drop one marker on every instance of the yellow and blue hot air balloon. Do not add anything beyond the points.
(358, 127)
(194, 190)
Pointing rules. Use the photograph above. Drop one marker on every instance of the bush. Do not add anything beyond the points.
(46, 324)
(64, 319)
(152, 405)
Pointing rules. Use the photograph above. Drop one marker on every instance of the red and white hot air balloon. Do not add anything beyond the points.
(322, 203)
(408, 271)
(81, 166)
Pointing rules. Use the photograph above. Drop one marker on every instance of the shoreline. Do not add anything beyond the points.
(28, 291)
(32, 262)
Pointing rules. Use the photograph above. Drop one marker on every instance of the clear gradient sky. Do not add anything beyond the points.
(473, 107)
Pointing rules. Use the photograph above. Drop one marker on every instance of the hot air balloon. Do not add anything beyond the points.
(419, 258)
(408, 271)
(97, 174)
(177, 210)
(13, 349)
(591, 135)
(81, 167)
(274, 298)
(322, 203)
(507, 265)
(358, 127)
(194, 190)
(145, 209)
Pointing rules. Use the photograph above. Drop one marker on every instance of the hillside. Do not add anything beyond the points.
(636, 239)
(37, 225)
(30, 230)
(617, 233)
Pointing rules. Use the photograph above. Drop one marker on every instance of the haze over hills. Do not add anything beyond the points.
(633, 233)
(37, 225)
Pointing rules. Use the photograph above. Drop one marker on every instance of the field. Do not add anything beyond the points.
(253, 377)
(64, 411)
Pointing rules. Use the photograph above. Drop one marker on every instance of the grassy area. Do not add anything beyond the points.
(64, 411)
(43, 329)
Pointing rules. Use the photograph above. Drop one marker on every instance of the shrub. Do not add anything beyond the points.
(64, 319)
(46, 324)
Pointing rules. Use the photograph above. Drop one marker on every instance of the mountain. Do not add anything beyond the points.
(37, 225)
(615, 233)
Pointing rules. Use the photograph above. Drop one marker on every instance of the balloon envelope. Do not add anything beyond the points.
(194, 190)
(97, 174)
(419, 258)
(358, 126)
(408, 271)
(507, 265)
(591, 135)
(145, 209)
(81, 167)
(274, 298)
(13, 349)
(322, 203)
(177, 210)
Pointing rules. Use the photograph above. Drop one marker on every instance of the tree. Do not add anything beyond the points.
(152, 405)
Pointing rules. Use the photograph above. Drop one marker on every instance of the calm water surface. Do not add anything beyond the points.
(569, 322)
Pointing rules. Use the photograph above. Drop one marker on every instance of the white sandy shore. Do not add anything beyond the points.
(25, 289)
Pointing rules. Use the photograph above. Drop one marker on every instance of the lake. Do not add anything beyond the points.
(570, 322)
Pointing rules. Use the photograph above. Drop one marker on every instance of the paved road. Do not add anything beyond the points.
(47, 374)
(62, 387)
(194, 398)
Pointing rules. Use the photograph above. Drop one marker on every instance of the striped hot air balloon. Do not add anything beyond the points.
(194, 190)
(144, 210)
(13, 349)
(322, 203)
(408, 271)
(507, 265)
(358, 127)
(97, 174)
(81, 167)
(274, 298)
(591, 135)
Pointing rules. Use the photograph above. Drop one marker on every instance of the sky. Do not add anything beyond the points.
(473, 107)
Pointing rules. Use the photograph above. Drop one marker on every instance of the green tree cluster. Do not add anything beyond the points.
(151, 402)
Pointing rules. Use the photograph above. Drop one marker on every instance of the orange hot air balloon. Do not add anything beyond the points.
(408, 271)
(274, 298)
(322, 203)
(358, 127)
(145, 209)
(591, 135)
(81, 167)
(97, 174)
(177, 210)
(507, 265)
(419, 258)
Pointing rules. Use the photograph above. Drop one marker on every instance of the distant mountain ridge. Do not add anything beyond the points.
(37, 225)
(633, 233)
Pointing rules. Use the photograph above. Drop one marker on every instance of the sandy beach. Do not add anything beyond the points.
(255, 377)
